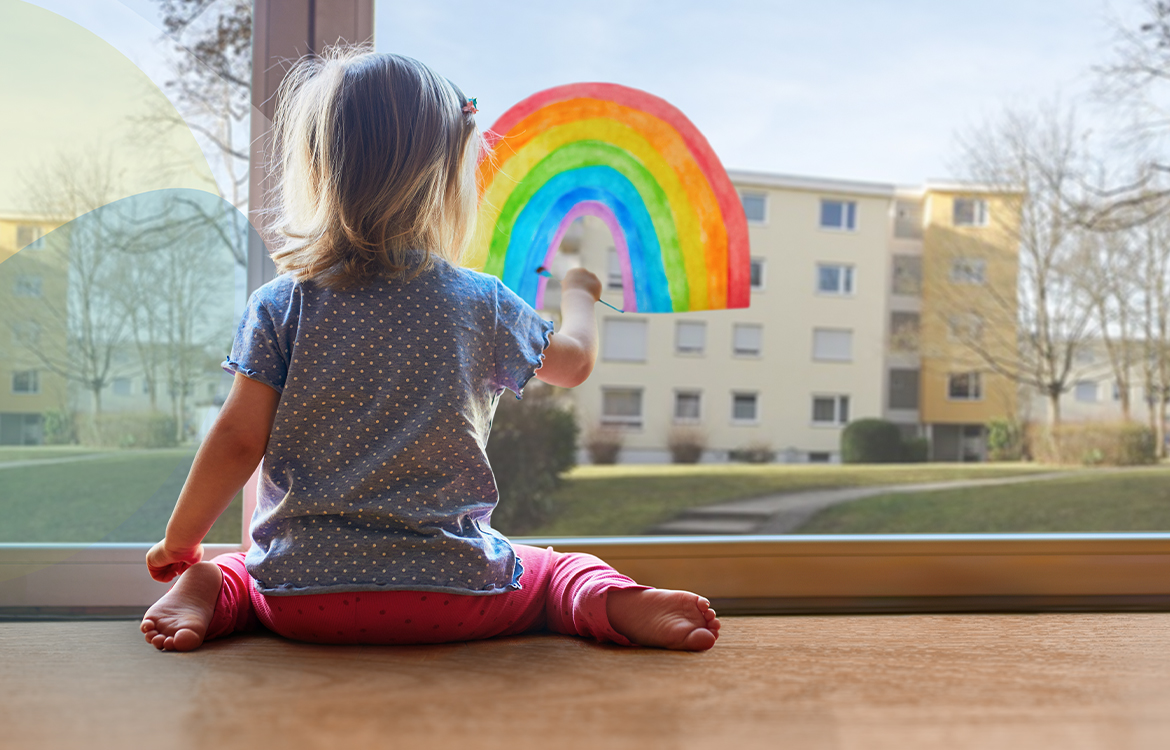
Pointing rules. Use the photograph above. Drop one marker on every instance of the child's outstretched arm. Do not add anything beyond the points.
(228, 456)
(572, 350)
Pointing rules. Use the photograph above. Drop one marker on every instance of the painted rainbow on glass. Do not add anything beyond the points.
(631, 160)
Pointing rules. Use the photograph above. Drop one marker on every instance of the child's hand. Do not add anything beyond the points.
(579, 278)
(165, 564)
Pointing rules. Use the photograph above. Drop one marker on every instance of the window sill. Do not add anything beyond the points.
(740, 573)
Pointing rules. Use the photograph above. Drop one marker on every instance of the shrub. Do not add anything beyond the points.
(1096, 443)
(871, 441)
(916, 450)
(686, 445)
(1005, 440)
(133, 430)
(533, 441)
(60, 427)
(753, 453)
(604, 445)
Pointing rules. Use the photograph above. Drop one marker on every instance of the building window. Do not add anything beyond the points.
(745, 408)
(755, 207)
(1116, 391)
(904, 332)
(688, 406)
(908, 275)
(832, 345)
(690, 337)
(830, 410)
(970, 212)
(840, 215)
(1086, 391)
(26, 285)
(621, 407)
(624, 340)
(121, 386)
(27, 333)
(26, 381)
(29, 235)
(964, 386)
(968, 270)
(819, 457)
(908, 220)
(748, 339)
(613, 270)
(757, 274)
(903, 393)
(834, 279)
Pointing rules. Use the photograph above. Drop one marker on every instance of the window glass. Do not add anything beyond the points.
(903, 392)
(1086, 391)
(834, 279)
(904, 331)
(907, 275)
(748, 339)
(757, 274)
(745, 407)
(621, 407)
(755, 206)
(830, 410)
(908, 219)
(970, 212)
(124, 247)
(837, 214)
(613, 270)
(624, 340)
(690, 337)
(968, 270)
(687, 406)
(965, 386)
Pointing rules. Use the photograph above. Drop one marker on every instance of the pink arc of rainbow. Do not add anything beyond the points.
(600, 211)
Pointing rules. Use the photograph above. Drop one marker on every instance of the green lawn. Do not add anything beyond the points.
(1095, 500)
(126, 496)
(628, 499)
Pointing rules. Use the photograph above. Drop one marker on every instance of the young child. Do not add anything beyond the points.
(366, 376)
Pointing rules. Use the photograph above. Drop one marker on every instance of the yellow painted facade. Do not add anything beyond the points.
(969, 306)
(33, 300)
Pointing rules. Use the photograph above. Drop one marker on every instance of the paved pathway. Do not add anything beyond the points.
(783, 514)
(48, 461)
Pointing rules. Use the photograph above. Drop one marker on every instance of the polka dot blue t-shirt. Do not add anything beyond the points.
(375, 477)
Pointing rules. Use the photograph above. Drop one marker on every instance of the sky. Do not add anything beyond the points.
(872, 90)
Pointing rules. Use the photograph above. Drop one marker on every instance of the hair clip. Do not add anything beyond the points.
(469, 106)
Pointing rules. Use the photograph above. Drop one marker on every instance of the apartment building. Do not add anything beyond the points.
(32, 287)
(855, 288)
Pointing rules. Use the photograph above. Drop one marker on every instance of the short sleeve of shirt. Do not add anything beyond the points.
(259, 351)
(521, 338)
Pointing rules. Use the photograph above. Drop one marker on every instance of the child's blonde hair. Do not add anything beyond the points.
(376, 158)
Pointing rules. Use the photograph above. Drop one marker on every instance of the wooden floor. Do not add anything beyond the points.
(964, 681)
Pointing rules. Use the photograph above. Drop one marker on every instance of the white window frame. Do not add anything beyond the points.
(36, 382)
(741, 421)
(848, 211)
(846, 280)
(947, 572)
(698, 394)
(754, 194)
(624, 421)
(614, 278)
(38, 242)
(763, 266)
(980, 212)
(678, 348)
(840, 416)
(746, 353)
(976, 378)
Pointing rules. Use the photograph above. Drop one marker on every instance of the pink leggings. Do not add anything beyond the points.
(561, 592)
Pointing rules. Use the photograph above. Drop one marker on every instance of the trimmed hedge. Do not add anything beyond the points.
(131, 430)
(872, 441)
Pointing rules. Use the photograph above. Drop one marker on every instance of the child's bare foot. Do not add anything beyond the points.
(663, 618)
(178, 621)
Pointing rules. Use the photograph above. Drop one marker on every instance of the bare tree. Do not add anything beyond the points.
(1035, 164)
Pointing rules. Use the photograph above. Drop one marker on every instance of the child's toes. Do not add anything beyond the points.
(146, 626)
(150, 636)
(159, 641)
